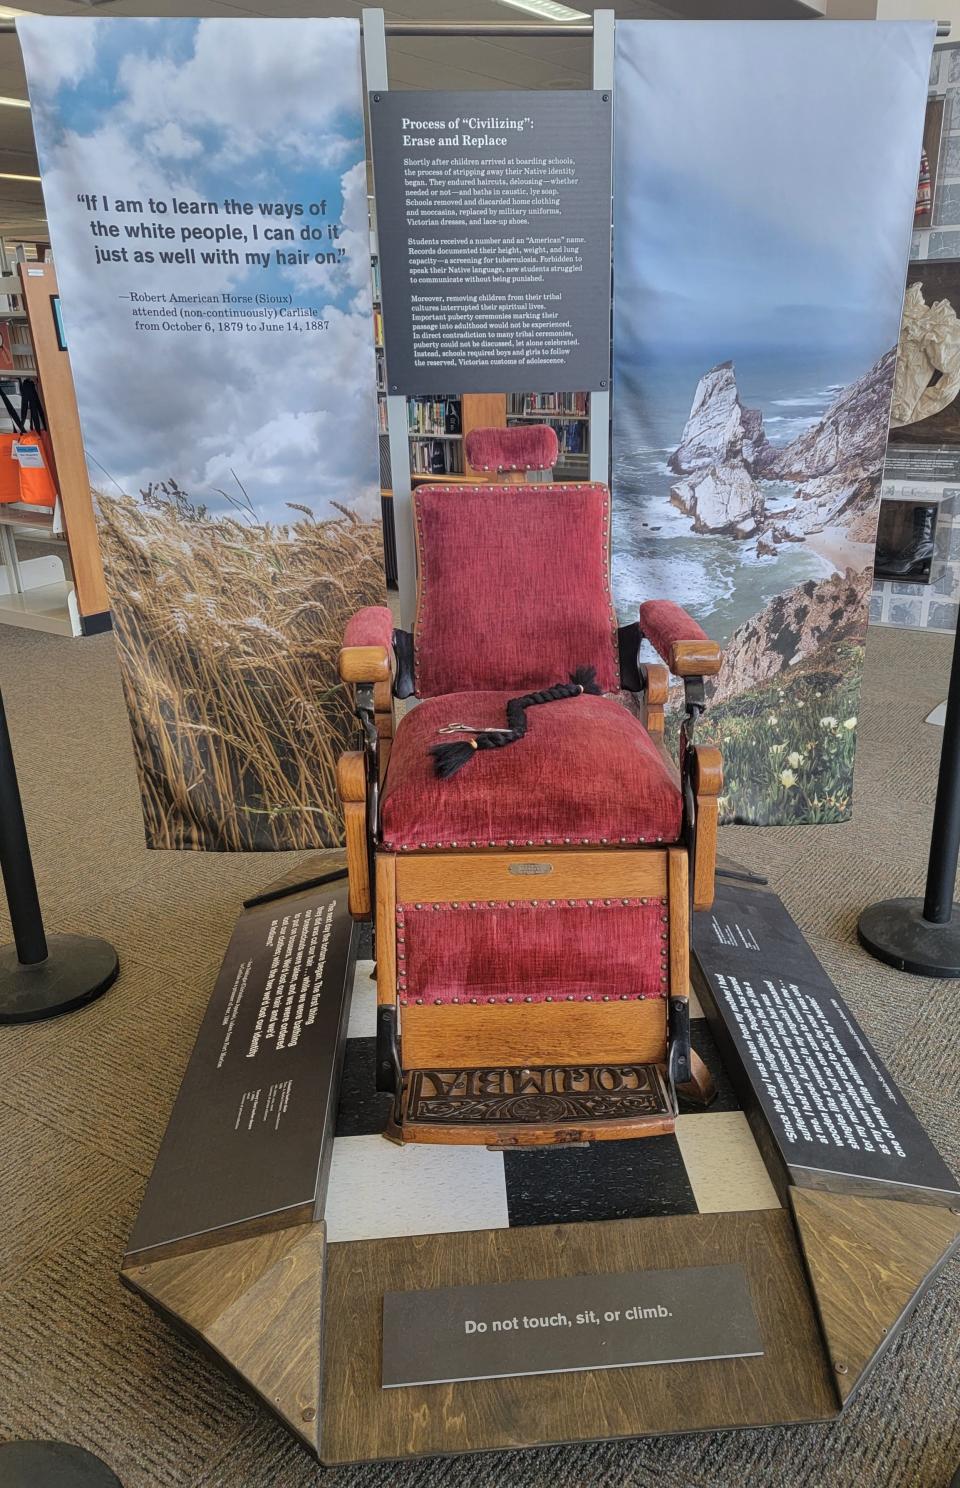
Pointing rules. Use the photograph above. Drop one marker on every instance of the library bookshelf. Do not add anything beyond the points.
(51, 576)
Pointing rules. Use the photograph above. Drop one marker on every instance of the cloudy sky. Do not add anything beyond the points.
(262, 111)
(764, 181)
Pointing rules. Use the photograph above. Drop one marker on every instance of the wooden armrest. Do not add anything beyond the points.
(365, 664)
(352, 776)
(351, 783)
(707, 770)
(707, 780)
(653, 697)
(695, 658)
(678, 639)
(657, 689)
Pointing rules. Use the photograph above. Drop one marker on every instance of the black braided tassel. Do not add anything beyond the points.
(449, 758)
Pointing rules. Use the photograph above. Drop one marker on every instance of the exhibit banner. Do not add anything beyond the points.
(765, 181)
(493, 219)
(205, 186)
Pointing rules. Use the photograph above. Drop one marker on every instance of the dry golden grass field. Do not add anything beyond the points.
(228, 632)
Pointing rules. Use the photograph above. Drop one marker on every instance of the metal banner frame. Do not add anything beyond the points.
(374, 32)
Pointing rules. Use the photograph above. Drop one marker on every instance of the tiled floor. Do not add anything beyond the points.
(378, 1189)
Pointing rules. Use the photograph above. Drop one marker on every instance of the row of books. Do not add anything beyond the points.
(16, 347)
(573, 436)
(523, 404)
(434, 416)
(436, 457)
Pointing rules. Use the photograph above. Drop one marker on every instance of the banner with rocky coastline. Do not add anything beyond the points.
(765, 182)
(205, 184)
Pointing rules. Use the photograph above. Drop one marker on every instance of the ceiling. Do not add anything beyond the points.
(414, 61)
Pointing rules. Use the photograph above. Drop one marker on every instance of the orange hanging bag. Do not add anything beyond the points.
(31, 454)
(9, 465)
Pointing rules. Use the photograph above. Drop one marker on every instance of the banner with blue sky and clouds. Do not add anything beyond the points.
(205, 185)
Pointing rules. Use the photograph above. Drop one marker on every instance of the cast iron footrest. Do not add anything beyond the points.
(513, 1105)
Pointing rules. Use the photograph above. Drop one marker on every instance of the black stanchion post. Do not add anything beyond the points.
(40, 976)
(18, 876)
(53, 1464)
(938, 906)
(923, 935)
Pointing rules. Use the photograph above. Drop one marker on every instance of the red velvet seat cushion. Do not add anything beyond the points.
(514, 587)
(586, 772)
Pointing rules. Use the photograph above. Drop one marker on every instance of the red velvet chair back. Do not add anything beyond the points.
(513, 587)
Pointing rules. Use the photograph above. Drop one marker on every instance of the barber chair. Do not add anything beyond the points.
(531, 895)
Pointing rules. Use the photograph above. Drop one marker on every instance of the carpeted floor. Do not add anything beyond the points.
(84, 1101)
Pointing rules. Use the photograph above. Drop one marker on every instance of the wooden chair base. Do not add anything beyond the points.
(534, 1107)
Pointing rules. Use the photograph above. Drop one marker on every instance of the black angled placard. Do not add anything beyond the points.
(250, 1135)
(831, 1110)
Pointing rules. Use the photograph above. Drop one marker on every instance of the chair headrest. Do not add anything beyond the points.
(525, 447)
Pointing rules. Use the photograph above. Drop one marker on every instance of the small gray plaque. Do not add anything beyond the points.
(567, 1322)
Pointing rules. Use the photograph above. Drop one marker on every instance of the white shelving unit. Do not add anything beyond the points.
(36, 592)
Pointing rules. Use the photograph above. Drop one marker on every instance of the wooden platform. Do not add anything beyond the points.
(868, 1261)
(300, 1322)
(291, 1299)
(791, 1382)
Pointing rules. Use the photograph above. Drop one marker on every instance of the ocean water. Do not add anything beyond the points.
(655, 553)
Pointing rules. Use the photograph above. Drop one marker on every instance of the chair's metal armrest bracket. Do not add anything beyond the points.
(678, 1067)
(695, 700)
(389, 1072)
(366, 712)
(633, 676)
(403, 680)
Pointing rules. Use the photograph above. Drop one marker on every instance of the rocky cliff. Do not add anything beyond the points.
(724, 454)
(837, 500)
(719, 430)
(850, 438)
(723, 498)
(794, 626)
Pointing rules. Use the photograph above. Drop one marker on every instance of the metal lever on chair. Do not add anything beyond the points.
(679, 1068)
(696, 702)
(389, 1072)
(366, 713)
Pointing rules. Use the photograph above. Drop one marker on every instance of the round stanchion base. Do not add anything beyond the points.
(78, 969)
(895, 931)
(52, 1464)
